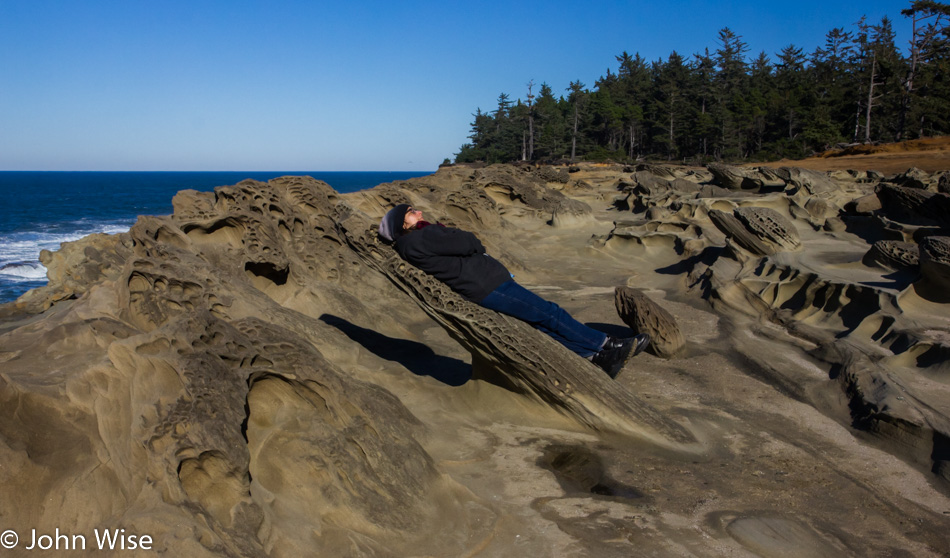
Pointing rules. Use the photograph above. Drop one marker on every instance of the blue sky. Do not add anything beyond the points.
(343, 86)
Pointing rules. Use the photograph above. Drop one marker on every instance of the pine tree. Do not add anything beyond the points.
(722, 105)
(730, 89)
(480, 131)
(879, 65)
(832, 69)
(607, 115)
(759, 100)
(633, 84)
(528, 149)
(865, 62)
(505, 143)
(671, 81)
(577, 98)
(893, 69)
(928, 48)
(790, 83)
(705, 126)
(551, 128)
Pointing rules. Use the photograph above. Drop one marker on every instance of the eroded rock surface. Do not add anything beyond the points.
(935, 267)
(502, 184)
(255, 375)
(512, 352)
(912, 178)
(770, 226)
(892, 254)
(865, 205)
(759, 230)
(915, 206)
(736, 178)
(191, 402)
(645, 316)
(807, 181)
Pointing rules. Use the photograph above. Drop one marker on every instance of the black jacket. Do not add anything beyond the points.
(455, 257)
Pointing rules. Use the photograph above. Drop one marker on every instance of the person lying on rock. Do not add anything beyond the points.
(458, 259)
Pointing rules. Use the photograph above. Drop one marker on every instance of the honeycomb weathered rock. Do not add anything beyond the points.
(728, 176)
(893, 255)
(511, 351)
(734, 228)
(759, 230)
(770, 226)
(643, 315)
(935, 267)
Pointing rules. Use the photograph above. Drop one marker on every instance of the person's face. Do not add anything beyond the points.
(413, 216)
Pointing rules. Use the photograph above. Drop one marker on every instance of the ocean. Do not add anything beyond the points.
(44, 209)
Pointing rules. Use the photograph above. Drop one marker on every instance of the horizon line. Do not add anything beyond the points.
(240, 170)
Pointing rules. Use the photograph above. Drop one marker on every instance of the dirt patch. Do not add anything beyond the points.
(929, 154)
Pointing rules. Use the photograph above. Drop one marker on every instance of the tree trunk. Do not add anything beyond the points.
(867, 117)
(669, 155)
(630, 155)
(909, 83)
(574, 136)
(530, 138)
(857, 122)
(705, 139)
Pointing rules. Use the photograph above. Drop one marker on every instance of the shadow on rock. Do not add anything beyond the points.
(417, 357)
(579, 470)
(613, 330)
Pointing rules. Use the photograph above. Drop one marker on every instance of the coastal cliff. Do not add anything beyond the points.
(254, 376)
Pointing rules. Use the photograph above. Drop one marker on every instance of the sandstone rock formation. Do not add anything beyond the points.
(806, 181)
(255, 375)
(914, 205)
(550, 174)
(199, 410)
(935, 267)
(645, 316)
(864, 205)
(527, 189)
(770, 226)
(736, 178)
(509, 351)
(893, 255)
(912, 178)
(759, 230)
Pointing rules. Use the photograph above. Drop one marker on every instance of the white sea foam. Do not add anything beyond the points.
(20, 250)
(26, 271)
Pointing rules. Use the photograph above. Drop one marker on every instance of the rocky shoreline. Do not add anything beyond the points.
(254, 375)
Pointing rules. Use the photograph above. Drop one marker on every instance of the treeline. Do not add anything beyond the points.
(856, 88)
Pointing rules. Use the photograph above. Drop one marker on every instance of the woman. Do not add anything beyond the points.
(458, 259)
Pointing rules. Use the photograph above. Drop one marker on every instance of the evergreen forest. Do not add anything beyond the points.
(858, 87)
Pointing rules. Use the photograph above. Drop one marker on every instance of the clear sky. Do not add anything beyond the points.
(331, 86)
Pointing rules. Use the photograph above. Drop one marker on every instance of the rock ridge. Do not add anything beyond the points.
(257, 375)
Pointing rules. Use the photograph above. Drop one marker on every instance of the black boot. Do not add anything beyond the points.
(615, 352)
(643, 341)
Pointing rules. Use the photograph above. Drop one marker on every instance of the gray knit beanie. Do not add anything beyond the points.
(390, 228)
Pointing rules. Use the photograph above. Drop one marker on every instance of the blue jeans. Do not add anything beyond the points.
(513, 299)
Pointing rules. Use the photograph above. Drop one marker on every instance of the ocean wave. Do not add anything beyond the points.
(20, 250)
(26, 245)
(23, 271)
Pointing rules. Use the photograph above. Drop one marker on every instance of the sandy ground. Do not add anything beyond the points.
(930, 155)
